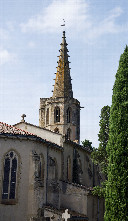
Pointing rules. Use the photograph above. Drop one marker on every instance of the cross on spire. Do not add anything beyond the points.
(65, 215)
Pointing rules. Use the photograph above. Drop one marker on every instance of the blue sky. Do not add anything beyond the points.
(30, 37)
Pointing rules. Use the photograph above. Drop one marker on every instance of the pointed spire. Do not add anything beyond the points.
(63, 86)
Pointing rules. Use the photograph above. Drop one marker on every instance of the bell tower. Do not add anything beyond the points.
(61, 112)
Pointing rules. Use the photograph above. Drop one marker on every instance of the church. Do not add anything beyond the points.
(45, 174)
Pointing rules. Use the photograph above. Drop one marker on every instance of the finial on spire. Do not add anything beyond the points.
(63, 34)
(64, 27)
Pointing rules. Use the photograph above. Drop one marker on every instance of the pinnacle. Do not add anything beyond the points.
(63, 34)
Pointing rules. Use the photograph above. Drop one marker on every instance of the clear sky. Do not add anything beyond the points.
(30, 37)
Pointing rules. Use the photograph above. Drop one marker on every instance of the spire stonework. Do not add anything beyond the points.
(61, 112)
(63, 86)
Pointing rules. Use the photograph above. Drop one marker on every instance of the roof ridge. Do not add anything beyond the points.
(37, 127)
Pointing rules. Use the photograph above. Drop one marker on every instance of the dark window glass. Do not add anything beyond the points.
(47, 116)
(57, 114)
(11, 154)
(9, 182)
(6, 178)
(68, 115)
(13, 179)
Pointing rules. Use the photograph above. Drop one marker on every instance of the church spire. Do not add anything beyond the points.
(63, 86)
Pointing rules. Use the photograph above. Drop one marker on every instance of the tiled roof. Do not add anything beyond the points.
(8, 130)
(42, 128)
(5, 128)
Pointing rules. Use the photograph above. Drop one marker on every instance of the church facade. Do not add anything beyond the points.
(45, 174)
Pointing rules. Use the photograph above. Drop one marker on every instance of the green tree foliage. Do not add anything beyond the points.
(99, 155)
(88, 144)
(100, 190)
(116, 199)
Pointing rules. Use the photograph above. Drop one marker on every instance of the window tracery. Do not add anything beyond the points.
(10, 176)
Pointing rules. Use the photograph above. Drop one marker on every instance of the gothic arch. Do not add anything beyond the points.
(39, 168)
(56, 114)
(53, 168)
(68, 114)
(11, 169)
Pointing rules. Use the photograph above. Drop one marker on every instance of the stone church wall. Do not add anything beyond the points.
(30, 194)
(41, 132)
(73, 197)
(45, 177)
(19, 210)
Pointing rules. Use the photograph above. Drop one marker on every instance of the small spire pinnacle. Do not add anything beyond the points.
(64, 34)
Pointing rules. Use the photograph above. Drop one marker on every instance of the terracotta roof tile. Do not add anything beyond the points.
(8, 130)
(5, 128)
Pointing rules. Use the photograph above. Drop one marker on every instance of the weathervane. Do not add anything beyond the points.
(63, 23)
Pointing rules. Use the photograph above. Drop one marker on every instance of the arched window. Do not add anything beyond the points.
(68, 115)
(53, 173)
(56, 130)
(57, 115)
(68, 133)
(39, 168)
(69, 173)
(10, 176)
(47, 116)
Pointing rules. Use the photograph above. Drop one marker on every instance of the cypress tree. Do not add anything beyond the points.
(116, 199)
(99, 155)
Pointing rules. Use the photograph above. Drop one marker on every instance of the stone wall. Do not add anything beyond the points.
(32, 187)
(44, 178)
(41, 132)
